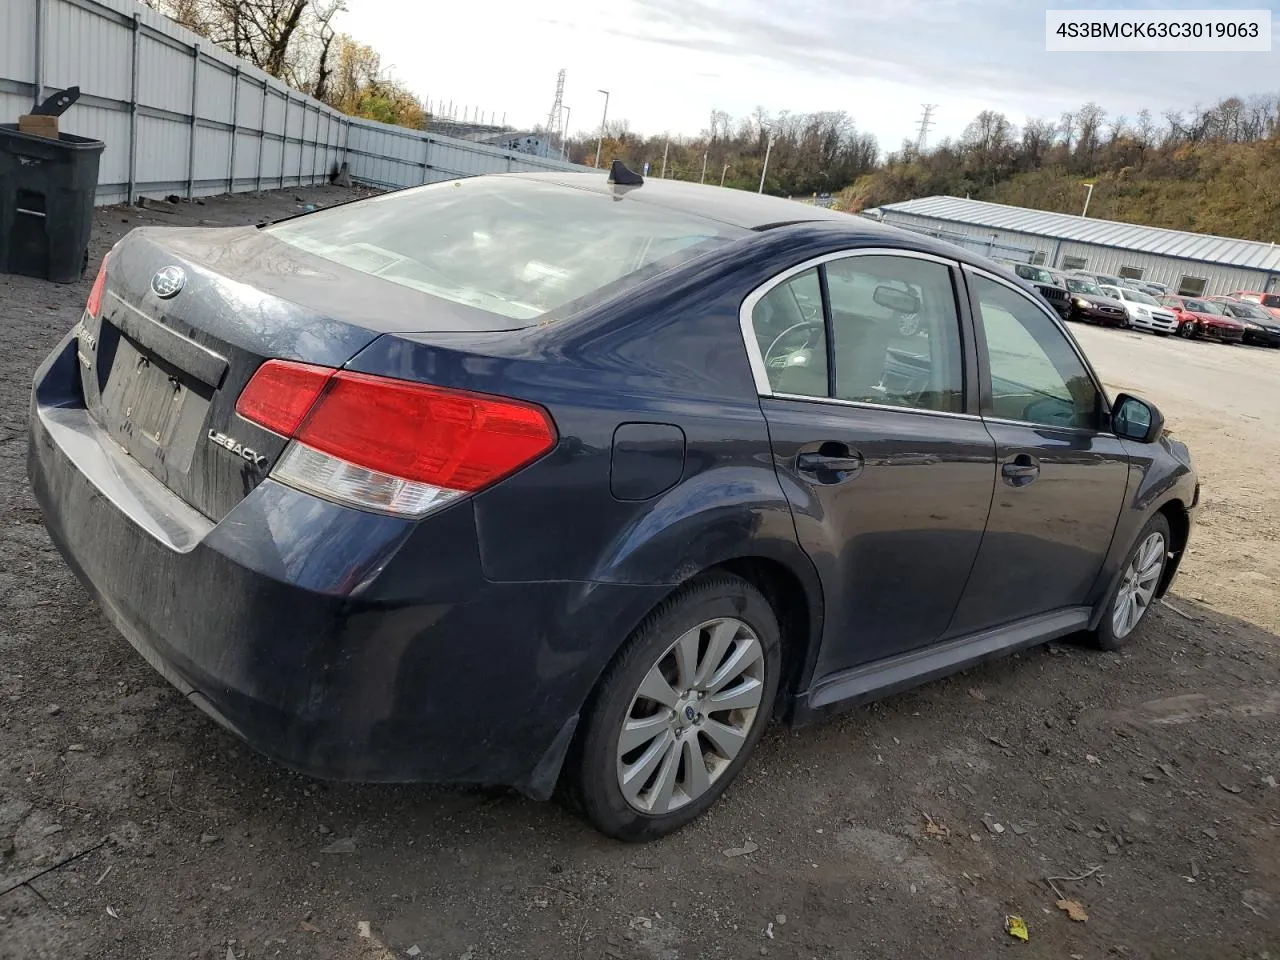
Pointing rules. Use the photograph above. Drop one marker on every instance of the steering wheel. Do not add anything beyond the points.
(807, 328)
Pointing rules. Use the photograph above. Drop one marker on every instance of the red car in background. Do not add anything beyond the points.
(1200, 318)
(1269, 302)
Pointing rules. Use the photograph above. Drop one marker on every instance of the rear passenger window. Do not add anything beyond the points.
(895, 332)
(789, 331)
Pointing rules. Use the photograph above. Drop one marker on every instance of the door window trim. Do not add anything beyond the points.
(760, 374)
(984, 373)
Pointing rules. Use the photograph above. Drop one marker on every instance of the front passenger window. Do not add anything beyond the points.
(1036, 376)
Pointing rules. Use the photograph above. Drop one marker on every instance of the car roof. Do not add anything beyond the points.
(753, 211)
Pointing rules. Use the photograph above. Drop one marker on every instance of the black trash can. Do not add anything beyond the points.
(46, 203)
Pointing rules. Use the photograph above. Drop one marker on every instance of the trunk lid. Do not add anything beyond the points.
(162, 374)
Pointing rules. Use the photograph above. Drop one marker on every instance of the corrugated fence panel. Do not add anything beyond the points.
(249, 105)
(213, 154)
(270, 163)
(164, 74)
(293, 119)
(163, 148)
(213, 96)
(274, 106)
(87, 50)
(246, 155)
(280, 137)
(17, 43)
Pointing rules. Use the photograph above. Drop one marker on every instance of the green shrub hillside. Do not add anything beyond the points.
(1214, 173)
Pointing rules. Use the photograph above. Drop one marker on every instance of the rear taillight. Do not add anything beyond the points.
(94, 305)
(390, 445)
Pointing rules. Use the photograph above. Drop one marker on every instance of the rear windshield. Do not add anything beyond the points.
(518, 248)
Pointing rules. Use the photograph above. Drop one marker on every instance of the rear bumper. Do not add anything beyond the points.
(342, 644)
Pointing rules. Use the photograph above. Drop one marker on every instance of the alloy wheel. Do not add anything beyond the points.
(693, 713)
(1138, 585)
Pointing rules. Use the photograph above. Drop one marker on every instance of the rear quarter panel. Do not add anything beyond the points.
(671, 352)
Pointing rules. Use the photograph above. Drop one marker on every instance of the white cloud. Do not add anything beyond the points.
(668, 63)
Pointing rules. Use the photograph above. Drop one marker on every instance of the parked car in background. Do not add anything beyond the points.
(1268, 301)
(1200, 318)
(1089, 303)
(1037, 274)
(1145, 312)
(1099, 278)
(1047, 285)
(1260, 327)
(465, 483)
(1150, 287)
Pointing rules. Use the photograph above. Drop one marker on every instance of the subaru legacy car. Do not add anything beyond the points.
(571, 482)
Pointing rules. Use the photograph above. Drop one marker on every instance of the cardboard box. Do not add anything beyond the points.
(40, 126)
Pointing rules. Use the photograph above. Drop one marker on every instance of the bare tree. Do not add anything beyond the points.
(1089, 120)
(1037, 136)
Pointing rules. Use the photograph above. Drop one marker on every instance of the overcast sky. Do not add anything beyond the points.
(669, 63)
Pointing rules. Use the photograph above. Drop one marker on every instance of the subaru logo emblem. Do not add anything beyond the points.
(168, 282)
(690, 713)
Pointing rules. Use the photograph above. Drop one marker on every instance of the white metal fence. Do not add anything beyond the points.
(180, 115)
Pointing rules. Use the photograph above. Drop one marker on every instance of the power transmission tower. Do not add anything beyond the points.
(926, 121)
(555, 119)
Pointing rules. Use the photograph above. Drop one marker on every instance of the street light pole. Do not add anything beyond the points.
(603, 117)
(722, 173)
(564, 136)
(1088, 197)
(704, 168)
(767, 150)
(665, 147)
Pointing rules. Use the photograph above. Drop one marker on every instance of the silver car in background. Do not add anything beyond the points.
(1145, 312)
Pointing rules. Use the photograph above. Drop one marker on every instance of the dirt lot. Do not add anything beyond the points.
(1148, 778)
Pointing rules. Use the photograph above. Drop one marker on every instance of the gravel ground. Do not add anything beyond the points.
(1144, 783)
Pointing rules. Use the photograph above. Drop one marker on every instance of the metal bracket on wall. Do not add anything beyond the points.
(235, 127)
(136, 28)
(195, 108)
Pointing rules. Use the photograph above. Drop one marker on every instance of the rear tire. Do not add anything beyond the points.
(653, 751)
(1134, 591)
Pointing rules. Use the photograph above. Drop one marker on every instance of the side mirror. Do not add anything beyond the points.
(1136, 419)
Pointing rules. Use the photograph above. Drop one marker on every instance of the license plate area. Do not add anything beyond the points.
(152, 409)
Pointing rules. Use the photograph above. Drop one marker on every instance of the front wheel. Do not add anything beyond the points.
(1188, 331)
(676, 715)
(1135, 590)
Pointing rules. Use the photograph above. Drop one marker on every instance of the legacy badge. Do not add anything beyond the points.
(238, 448)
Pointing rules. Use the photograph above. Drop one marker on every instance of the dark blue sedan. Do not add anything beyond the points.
(554, 480)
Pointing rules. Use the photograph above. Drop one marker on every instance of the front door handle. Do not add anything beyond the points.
(1021, 470)
(831, 463)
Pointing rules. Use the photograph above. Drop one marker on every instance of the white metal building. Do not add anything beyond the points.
(1190, 263)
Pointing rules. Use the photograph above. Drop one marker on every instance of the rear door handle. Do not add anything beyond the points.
(1021, 470)
(831, 463)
